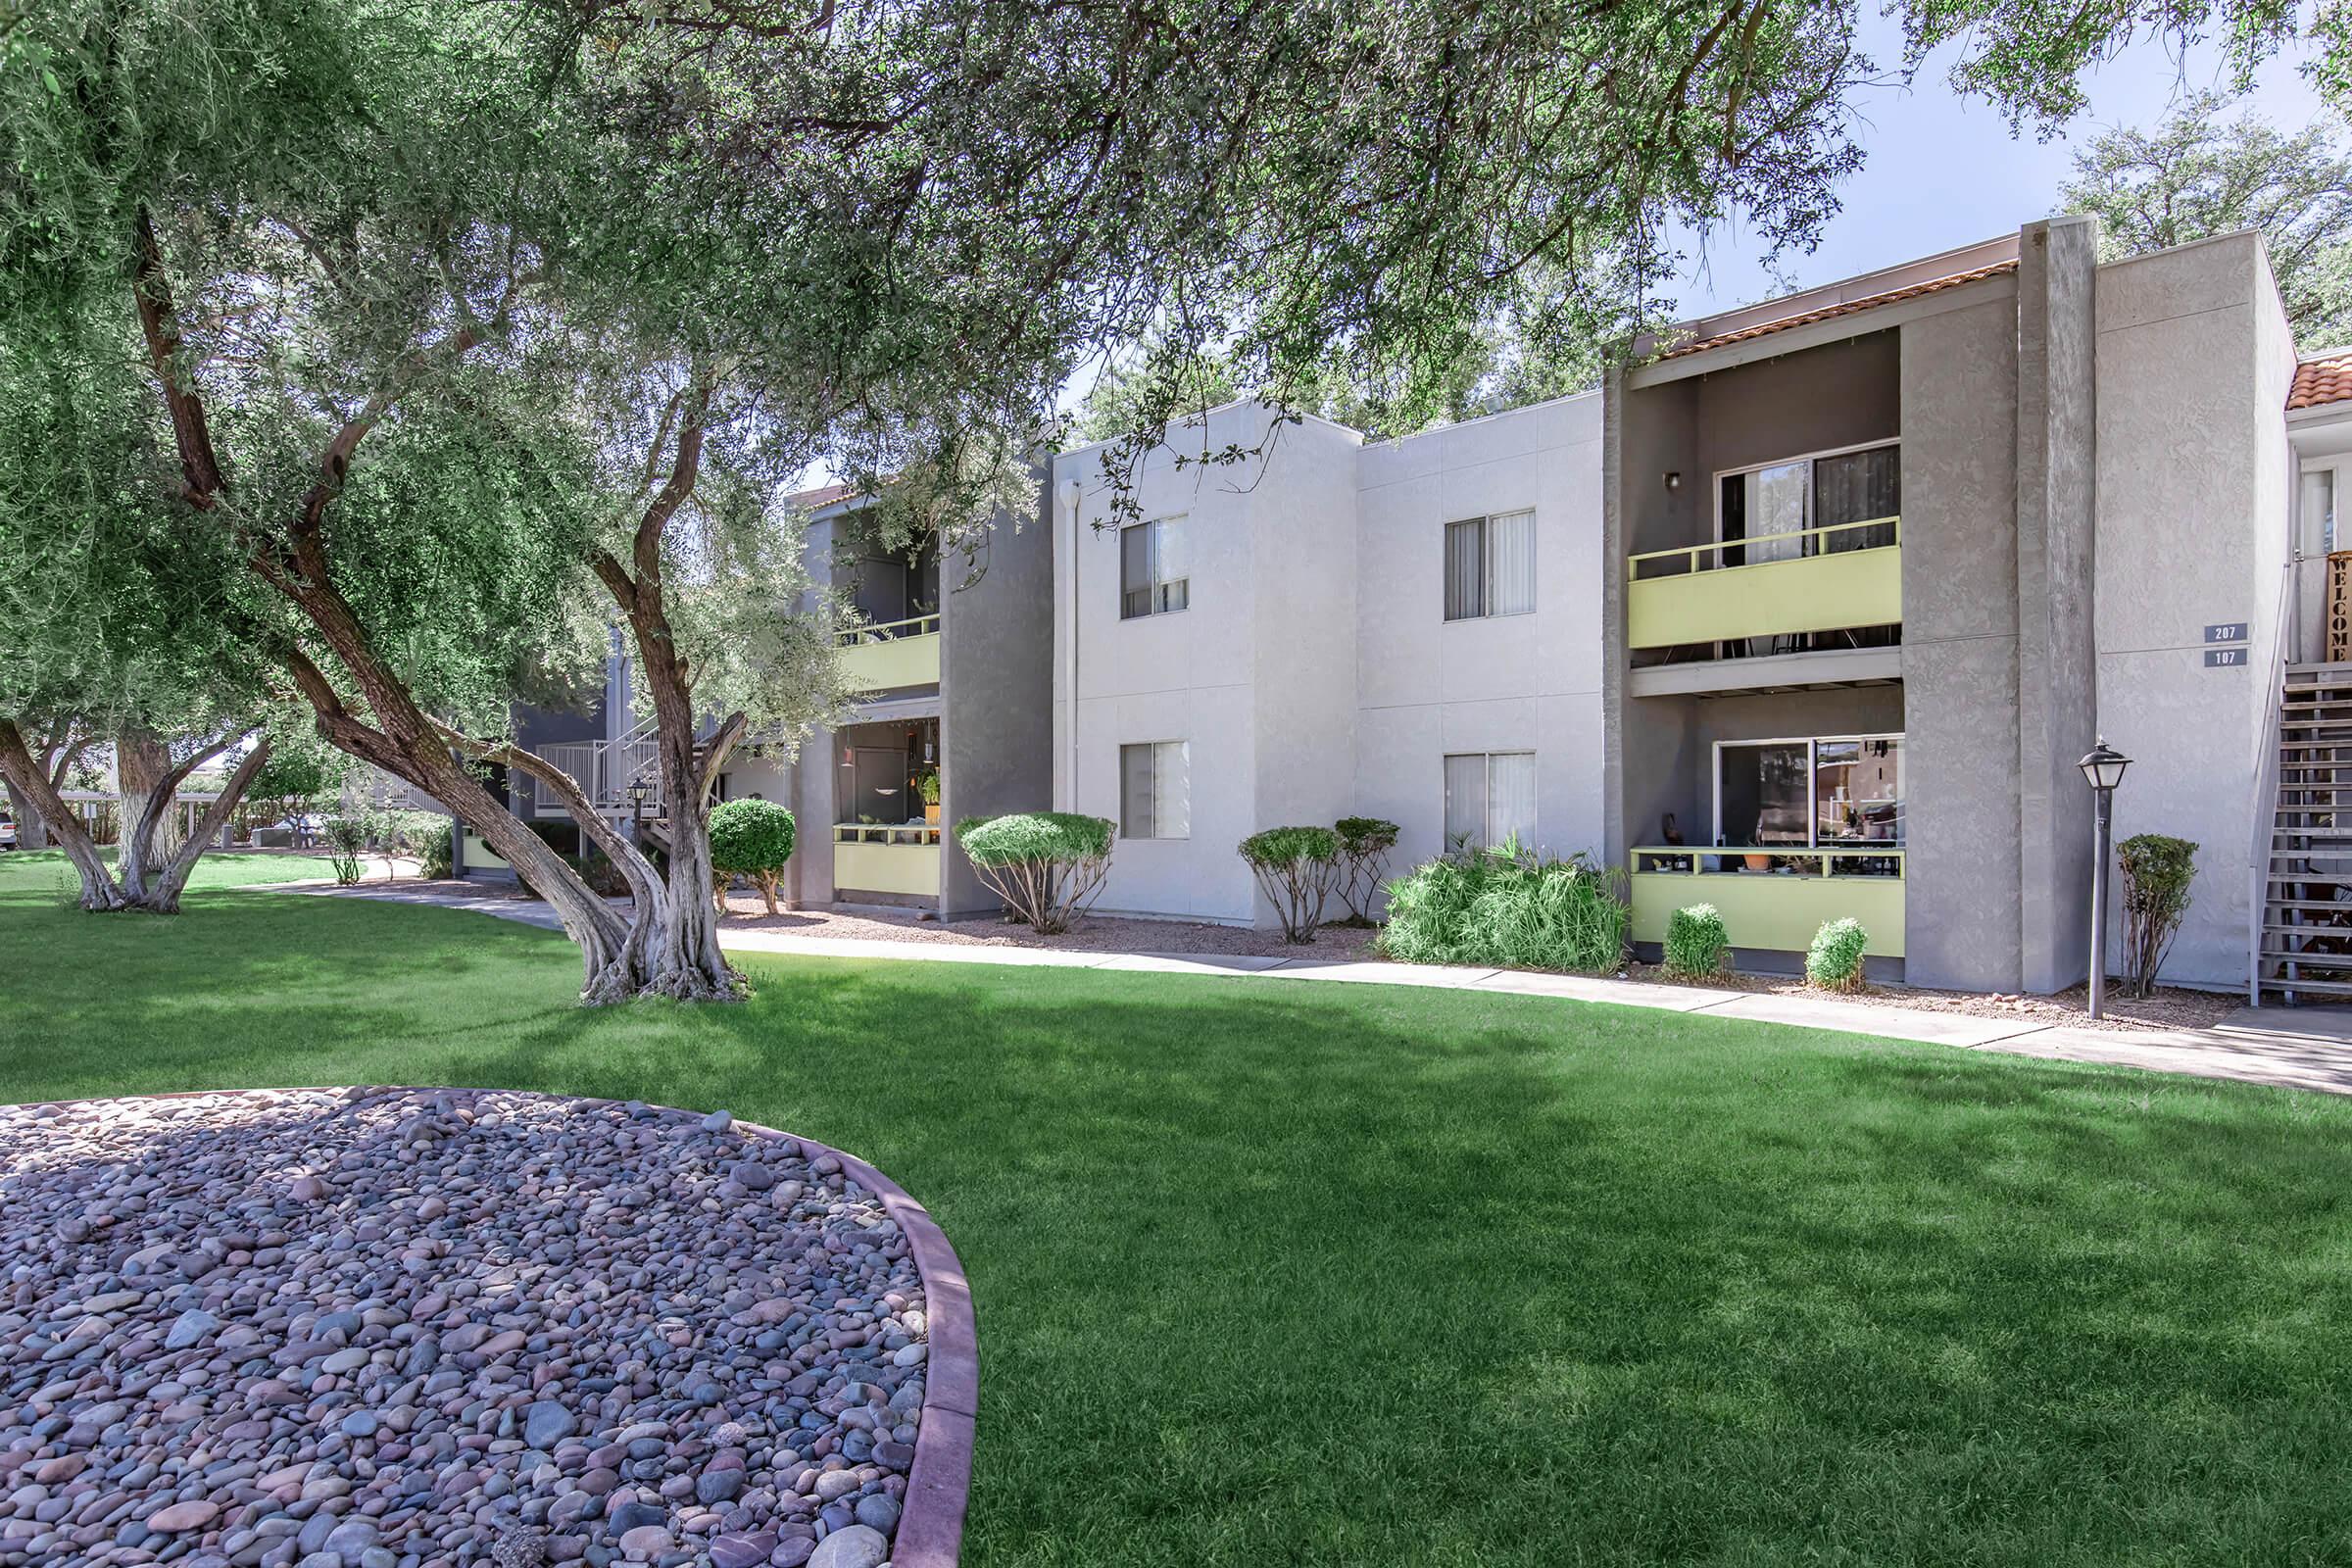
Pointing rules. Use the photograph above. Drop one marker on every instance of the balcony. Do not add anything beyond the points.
(872, 858)
(1825, 579)
(1771, 897)
(894, 654)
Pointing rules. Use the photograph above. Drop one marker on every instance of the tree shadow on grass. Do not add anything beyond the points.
(1349, 1274)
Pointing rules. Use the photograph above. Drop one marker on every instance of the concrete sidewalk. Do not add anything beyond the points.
(2290, 1048)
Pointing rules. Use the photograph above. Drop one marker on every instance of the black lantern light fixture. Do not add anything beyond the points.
(639, 789)
(2102, 769)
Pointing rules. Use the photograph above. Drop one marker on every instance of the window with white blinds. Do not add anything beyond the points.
(1155, 790)
(1491, 565)
(1153, 578)
(1490, 799)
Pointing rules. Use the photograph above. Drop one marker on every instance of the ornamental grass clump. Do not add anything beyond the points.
(1297, 867)
(1364, 845)
(1835, 959)
(1698, 947)
(1047, 866)
(1510, 908)
(753, 839)
(2157, 873)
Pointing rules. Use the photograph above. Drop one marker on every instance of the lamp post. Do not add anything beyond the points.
(639, 789)
(2102, 770)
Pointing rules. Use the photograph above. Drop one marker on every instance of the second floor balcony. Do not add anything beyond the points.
(1736, 597)
(894, 654)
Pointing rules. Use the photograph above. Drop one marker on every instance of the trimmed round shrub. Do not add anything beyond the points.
(1297, 867)
(1364, 846)
(1835, 959)
(753, 839)
(1698, 947)
(1047, 867)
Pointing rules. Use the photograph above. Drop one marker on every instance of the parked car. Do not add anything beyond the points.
(8, 834)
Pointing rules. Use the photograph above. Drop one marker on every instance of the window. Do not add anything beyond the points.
(1490, 567)
(1155, 790)
(1151, 569)
(1818, 491)
(1490, 799)
(2318, 511)
(1810, 794)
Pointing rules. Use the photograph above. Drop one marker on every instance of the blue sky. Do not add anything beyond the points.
(1943, 171)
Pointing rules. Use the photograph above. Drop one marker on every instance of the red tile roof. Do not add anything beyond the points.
(818, 499)
(2319, 383)
(1912, 292)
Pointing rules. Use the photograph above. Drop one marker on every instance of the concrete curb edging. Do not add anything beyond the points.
(930, 1532)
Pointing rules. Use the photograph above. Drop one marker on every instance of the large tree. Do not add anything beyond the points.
(374, 252)
(2206, 171)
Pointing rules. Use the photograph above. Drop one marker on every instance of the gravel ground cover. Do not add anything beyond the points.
(416, 1329)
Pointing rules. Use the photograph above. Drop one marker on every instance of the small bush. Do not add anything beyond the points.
(1047, 867)
(1297, 867)
(1506, 907)
(1835, 959)
(346, 846)
(2157, 873)
(1364, 845)
(433, 849)
(753, 839)
(1698, 947)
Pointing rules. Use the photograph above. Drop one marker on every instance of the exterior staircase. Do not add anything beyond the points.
(2305, 953)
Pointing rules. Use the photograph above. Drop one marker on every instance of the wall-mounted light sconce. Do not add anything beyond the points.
(1674, 480)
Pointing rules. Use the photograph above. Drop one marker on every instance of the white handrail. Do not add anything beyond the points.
(2264, 832)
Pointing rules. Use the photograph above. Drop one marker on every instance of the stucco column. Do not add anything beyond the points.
(2057, 647)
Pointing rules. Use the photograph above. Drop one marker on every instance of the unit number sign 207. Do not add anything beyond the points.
(2219, 655)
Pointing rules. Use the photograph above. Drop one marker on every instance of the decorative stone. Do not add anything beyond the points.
(853, 1547)
(179, 1516)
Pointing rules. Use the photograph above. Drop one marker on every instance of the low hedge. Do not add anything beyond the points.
(1509, 909)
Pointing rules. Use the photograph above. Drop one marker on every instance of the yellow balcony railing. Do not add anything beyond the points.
(897, 652)
(1687, 595)
(871, 858)
(1772, 896)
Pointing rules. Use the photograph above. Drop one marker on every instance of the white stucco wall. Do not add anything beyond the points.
(1428, 687)
(1314, 675)
(2193, 518)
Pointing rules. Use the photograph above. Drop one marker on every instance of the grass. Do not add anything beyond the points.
(1356, 1274)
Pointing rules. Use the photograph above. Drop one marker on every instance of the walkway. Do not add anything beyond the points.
(2292, 1048)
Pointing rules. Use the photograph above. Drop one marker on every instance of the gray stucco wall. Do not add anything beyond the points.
(2193, 529)
(997, 691)
(1959, 398)
(809, 874)
(1839, 395)
(2056, 557)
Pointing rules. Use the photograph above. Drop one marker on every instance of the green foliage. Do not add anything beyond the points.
(1364, 845)
(1297, 867)
(751, 836)
(1034, 838)
(1047, 866)
(347, 847)
(1509, 909)
(2203, 173)
(753, 839)
(2157, 873)
(1835, 959)
(929, 786)
(434, 848)
(1696, 947)
(1289, 845)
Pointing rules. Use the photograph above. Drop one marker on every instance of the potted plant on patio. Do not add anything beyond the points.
(930, 785)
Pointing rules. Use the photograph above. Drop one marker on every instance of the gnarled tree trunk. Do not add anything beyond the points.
(28, 778)
(142, 766)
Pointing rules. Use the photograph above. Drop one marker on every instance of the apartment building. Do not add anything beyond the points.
(1810, 613)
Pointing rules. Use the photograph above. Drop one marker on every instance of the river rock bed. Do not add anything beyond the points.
(416, 1329)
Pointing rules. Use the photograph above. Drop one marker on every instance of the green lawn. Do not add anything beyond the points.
(1367, 1275)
